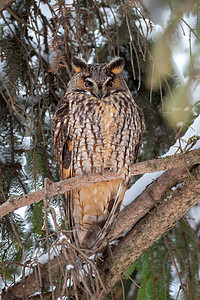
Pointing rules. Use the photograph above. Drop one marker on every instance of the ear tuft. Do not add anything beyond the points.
(116, 65)
(78, 64)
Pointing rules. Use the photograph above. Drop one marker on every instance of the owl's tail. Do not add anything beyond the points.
(93, 210)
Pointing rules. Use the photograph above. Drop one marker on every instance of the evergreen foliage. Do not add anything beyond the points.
(155, 277)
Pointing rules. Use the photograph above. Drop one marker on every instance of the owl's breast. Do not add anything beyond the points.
(102, 136)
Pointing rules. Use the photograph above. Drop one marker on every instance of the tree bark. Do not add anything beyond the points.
(151, 197)
(163, 216)
(5, 3)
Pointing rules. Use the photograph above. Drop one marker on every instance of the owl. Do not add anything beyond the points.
(97, 127)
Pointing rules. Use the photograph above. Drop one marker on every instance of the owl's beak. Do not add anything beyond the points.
(100, 90)
(100, 93)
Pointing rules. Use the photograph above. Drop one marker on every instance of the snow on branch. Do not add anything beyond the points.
(52, 189)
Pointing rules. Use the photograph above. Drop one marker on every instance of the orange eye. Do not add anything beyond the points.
(88, 84)
(110, 83)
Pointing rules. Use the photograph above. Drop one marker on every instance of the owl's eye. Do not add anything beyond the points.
(88, 84)
(110, 83)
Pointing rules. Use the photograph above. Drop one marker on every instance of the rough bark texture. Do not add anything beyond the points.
(4, 4)
(52, 189)
(166, 163)
(153, 195)
(155, 224)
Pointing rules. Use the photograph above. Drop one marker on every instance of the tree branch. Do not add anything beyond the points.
(173, 205)
(4, 4)
(159, 164)
(152, 196)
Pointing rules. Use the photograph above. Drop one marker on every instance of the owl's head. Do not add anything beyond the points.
(98, 80)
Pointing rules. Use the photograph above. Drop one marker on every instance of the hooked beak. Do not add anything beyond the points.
(100, 90)
(100, 93)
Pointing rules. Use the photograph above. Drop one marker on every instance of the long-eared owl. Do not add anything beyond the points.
(97, 127)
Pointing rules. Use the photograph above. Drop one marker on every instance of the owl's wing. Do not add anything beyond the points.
(142, 129)
(63, 149)
(61, 139)
(66, 159)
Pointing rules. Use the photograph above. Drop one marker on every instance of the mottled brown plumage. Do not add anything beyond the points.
(97, 127)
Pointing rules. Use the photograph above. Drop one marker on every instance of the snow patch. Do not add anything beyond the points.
(69, 267)
(139, 186)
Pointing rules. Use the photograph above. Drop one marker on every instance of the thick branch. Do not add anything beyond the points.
(155, 165)
(155, 224)
(152, 195)
(4, 4)
(166, 163)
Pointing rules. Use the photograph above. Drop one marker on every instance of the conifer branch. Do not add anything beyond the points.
(160, 164)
